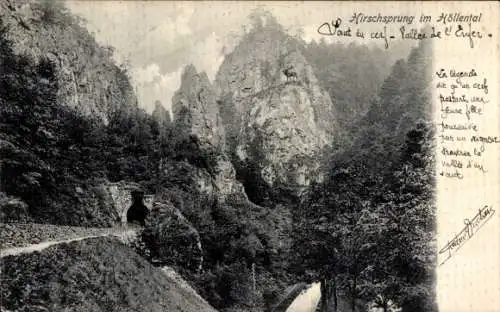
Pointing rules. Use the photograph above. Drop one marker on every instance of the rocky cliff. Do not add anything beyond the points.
(195, 108)
(280, 143)
(87, 78)
(60, 96)
(277, 118)
(196, 114)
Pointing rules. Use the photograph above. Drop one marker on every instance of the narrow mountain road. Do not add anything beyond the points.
(121, 232)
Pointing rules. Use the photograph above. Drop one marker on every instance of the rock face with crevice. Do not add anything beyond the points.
(279, 143)
(277, 118)
(196, 113)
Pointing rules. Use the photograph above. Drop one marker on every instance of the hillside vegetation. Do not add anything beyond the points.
(91, 275)
(379, 196)
(60, 146)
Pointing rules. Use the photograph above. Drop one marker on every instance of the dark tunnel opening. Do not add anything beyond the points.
(138, 212)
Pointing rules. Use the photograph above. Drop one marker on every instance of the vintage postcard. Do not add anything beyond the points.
(256, 156)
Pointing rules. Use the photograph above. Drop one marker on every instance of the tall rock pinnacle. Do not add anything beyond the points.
(195, 108)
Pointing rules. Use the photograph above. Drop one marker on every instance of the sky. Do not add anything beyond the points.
(159, 38)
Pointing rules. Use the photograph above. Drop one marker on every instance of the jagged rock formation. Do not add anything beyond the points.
(195, 108)
(85, 72)
(225, 179)
(218, 182)
(196, 113)
(161, 115)
(173, 240)
(277, 118)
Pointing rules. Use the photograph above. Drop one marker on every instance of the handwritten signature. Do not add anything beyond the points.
(471, 227)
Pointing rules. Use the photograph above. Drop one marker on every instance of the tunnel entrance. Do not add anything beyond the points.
(138, 212)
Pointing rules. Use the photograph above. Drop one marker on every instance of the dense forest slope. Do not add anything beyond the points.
(379, 196)
(64, 140)
(352, 74)
(58, 91)
(241, 243)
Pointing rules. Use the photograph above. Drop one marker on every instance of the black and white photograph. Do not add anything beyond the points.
(237, 156)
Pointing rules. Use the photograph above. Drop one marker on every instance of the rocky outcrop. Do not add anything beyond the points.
(186, 176)
(225, 179)
(195, 109)
(280, 142)
(87, 78)
(162, 118)
(161, 115)
(277, 118)
(196, 112)
(172, 239)
(217, 183)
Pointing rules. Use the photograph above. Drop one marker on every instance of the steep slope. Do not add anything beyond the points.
(258, 62)
(352, 74)
(403, 101)
(61, 97)
(387, 178)
(87, 78)
(276, 116)
(61, 146)
(278, 148)
(236, 237)
(70, 277)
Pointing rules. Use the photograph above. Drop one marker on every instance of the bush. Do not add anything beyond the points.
(13, 209)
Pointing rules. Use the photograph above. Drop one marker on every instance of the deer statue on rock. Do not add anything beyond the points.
(290, 73)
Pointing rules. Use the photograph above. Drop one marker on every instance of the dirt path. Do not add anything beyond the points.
(122, 233)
